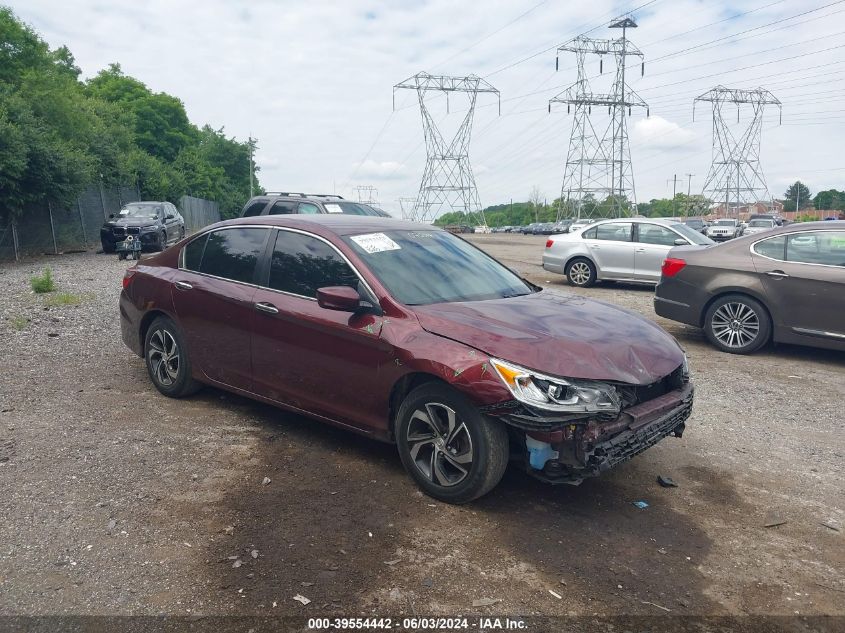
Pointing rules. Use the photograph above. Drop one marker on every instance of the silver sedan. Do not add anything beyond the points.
(629, 249)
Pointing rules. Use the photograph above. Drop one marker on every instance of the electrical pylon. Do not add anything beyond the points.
(735, 176)
(367, 194)
(447, 183)
(406, 205)
(598, 163)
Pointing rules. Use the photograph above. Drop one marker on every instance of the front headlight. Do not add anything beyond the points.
(557, 394)
(685, 370)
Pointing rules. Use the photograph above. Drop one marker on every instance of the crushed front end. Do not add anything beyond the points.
(567, 447)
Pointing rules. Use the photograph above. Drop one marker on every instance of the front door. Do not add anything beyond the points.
(213, 295)
(805, 283)
(653, 244)
(319, 360)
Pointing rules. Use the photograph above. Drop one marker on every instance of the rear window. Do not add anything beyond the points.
(772, 248)
(351, 208)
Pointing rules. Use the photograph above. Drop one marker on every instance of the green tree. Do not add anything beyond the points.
(830, 199)
(797, 194)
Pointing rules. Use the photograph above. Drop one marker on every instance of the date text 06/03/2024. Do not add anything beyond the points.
(420, 623)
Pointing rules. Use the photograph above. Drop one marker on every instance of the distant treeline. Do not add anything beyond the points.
(59, 134)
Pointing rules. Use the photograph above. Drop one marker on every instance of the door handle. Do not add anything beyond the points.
(640, 250)
(269, 308)
(777, 274)
(183, 285)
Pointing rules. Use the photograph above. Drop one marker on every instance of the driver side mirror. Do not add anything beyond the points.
(681, 242)
(343, 298)
(111, 216)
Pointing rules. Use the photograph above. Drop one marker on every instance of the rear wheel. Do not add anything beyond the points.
(167, 359)
(581, 272)
(737, 324)
(452, 451)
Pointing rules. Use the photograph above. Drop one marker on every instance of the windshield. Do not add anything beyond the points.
(425, 267)
(725, 222)
(140, 211)
(765, 223)
(692, 235)
(352, 208)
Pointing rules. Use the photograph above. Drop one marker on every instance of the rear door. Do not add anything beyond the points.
(213, 297)
(612, 248)
(653, 243)
(323, 361)
(803, 274)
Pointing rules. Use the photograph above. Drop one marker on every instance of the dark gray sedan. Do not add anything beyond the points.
(786, 285)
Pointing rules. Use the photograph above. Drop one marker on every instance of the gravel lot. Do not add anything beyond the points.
(116, 500)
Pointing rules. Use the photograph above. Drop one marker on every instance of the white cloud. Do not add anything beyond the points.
(374, 170)
(657, 133)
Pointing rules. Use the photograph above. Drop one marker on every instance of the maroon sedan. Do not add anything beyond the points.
(411, 335)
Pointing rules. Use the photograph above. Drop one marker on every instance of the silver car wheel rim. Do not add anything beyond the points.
(440, 445)
(735, 325)
(579, 273)
(163, 356)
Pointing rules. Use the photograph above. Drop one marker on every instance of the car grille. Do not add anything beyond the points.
(631, 396)
(118, 231)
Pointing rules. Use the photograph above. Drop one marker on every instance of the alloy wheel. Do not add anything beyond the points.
(579, 273)
(439, 444)
(735, 325)
(163, 355)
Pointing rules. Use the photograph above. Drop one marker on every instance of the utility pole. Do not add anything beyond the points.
(674, 194)
(797, 197)
(689, 189)
(251, 149)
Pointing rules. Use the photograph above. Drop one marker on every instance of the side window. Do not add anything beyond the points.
(614, 231)
(192, 253)
(820, 247)
(255, 209)
(590, 234)
(772, 247)
(301, 264)
(282, 207)
(233, 253)
(307, 207)
(656, 234)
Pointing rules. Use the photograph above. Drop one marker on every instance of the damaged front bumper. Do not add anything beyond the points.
(567, 451)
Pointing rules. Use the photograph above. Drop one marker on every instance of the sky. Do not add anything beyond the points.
(313, 82)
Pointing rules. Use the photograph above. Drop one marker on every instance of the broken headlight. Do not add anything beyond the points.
(557, 394)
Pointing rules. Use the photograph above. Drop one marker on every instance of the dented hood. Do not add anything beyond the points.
(562, 335)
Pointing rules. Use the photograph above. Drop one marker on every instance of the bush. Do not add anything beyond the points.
(44, 283)
(63, 299)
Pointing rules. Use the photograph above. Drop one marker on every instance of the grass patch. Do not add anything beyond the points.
(44, 282)
(18, 322)
(62, 299)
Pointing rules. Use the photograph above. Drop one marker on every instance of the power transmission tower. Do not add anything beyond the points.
(407, 205)
(598, 164)
(735, 172)
(367, 194)
(447, 180)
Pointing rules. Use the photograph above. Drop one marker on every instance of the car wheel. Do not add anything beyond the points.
(452, 451)
(581, 272)
(182, 233)
(737, 324)
(109, 249)
(167, 359)
(162, 241)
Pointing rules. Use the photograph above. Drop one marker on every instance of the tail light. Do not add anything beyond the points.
(672, 266)
(549, 243)
(127, 277)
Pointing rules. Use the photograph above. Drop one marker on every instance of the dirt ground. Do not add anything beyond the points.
(117, 500)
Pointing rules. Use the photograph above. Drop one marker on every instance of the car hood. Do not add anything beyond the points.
(562, 335)
(131, 222)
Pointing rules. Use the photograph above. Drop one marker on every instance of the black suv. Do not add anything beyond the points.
(283, 203)
(156, 224)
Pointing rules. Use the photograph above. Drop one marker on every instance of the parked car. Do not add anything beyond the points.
(697, 225)
(562, 226)
(482, 228)
(408, 334)
(155, 224)
(786, 285)
(286, 203)
(546, 228)
(529, 229)
(767, 216)
(758, 226)
(629, 249)
(723, 229)
(580, 224)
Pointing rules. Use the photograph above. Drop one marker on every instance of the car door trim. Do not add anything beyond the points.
(821, 333)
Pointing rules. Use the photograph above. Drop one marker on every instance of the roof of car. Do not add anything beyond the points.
(337, 223)
(662, 221)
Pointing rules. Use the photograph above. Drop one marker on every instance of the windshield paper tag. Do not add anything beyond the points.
(375, 243)
(333, 208)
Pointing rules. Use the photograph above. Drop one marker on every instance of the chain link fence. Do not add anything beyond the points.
(47, 228)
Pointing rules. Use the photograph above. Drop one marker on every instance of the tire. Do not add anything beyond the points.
(171, 379)
(182, 233)
(584, 273)
(108, 249)
(121, 256)
(477, 451)
(162, 241)
(737, 324)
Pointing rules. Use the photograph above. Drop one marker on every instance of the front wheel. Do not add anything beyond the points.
(167, 359)
(737, 324)
(581, 272)
(452, 451)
